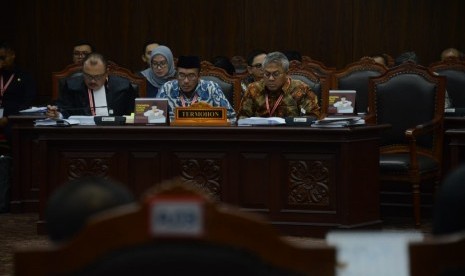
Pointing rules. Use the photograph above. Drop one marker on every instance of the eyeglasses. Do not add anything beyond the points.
(80, 53)
(275, 74)
(94, 77)
(257, 66)
(161, 64)
(182, 76)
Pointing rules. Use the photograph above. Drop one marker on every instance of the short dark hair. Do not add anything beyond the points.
(224, 63)
(252, 54)
(70, 206)
(84, 42)
(148, 42)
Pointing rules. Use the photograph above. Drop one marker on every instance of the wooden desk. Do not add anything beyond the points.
(456, 139)
(304, 180)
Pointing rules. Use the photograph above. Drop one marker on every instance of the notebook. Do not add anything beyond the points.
(341, 101)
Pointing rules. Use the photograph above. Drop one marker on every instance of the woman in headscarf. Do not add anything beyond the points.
(161, 70)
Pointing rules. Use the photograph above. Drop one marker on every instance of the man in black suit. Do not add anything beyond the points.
(95, 92)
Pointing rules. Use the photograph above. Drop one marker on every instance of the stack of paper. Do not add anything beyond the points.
(53, 122)
(34, 110)
(260, 121)
(339, 122)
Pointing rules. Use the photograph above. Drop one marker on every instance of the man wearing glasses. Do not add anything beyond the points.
(254, 67)
(277, 95)
(95, 92)
(80, 50)
(188, 88)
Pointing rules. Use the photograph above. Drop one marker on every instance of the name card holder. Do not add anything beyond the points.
(177, 216)
(195, 116)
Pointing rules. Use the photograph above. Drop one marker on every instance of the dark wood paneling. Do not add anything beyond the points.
(334, 31)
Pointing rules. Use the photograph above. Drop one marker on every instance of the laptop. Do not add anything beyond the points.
(341, 102)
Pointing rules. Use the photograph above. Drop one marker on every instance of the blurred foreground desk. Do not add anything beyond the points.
(304, 180)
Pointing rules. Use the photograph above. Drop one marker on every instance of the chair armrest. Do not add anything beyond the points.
(412, 133)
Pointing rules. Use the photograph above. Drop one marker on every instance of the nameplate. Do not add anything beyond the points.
(200, 116)
(176, 217)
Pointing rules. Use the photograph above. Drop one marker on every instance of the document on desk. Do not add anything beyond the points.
(261, 121)
(34, 110)
(373, 253)
(53, 122)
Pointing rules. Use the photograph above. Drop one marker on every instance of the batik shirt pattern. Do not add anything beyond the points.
(206, 91)
(298, 100)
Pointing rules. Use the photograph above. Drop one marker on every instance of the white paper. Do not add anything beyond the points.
(53, 122)
(252, 121)
(34, 109)
(83, 120)
(372, 253)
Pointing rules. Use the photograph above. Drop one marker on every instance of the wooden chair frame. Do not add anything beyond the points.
(113, 69)
(317, 67)
(323, 98)
(433, 127)
(365, 64)
(208, 69)
(131, 225)
(450, 64)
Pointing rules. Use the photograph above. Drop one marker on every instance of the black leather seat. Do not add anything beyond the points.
(355, 76)
(411, 99)
(454, 71)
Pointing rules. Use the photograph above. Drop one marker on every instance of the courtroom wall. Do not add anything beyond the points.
(336, 32)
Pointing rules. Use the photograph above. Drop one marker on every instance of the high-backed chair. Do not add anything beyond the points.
(230, 85)
(454, 71)
(440, 255)
(355, 77)
(411, 99)
(138, 82)
(317, 67)
(176, 231)
(318, 84)
(58, 78)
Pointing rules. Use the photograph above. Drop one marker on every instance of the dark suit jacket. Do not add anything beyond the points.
(74, 99)
(19, 94)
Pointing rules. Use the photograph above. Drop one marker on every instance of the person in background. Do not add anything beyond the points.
(380, 59)
(72, 204)
(412, 57)
(451, 53)
(147, 51)
(80, 50)
(277, 95)
(188, 88)
(239, 63)
(254, 68)
(406, 57)
(162, 69)
(17, 89)
(94, 92)
(223, 62)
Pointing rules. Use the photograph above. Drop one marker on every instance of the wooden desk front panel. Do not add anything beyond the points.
(300, 179)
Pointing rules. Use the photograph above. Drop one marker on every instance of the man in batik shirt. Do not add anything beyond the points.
(277, 95)
(188, 88)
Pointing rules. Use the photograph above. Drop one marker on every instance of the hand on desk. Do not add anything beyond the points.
(52, 112)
